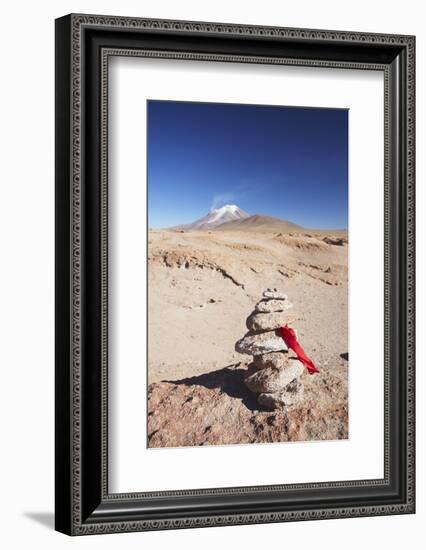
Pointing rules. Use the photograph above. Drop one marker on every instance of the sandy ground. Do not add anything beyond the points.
(203, 286)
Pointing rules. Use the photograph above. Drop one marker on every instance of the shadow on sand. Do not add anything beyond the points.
(230, 380)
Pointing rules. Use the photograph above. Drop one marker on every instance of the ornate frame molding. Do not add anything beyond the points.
(72, 516)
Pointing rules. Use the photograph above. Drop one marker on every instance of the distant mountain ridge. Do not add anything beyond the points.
(258, 222)
(232, 218)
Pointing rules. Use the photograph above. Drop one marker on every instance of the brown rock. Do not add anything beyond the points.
(289, 396)
(336, 241)
(273, 379)
(216, 408)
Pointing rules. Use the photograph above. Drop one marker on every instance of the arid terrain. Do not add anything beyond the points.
(202, 287)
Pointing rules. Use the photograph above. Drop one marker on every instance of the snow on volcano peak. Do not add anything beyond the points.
(228, 212)
(217, 216)
(226, 208)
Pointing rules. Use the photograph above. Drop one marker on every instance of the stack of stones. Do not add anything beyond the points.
(273, 375)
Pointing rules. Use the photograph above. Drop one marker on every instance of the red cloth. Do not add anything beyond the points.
(290, 339)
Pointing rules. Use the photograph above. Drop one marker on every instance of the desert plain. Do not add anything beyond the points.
(202, 286)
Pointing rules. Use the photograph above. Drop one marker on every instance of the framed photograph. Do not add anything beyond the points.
(234, 274)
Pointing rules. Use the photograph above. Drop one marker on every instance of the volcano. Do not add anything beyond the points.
(215, 218)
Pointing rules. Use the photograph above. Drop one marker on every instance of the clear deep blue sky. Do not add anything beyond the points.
(289, 162)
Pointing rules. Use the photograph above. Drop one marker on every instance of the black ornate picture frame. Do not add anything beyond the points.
(84, 43)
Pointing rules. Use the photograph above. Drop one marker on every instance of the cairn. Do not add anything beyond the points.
(272, 374)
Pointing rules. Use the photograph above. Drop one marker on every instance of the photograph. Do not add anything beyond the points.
(247, 287)
(234, 304)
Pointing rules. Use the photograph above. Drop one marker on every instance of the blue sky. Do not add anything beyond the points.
(288, 162)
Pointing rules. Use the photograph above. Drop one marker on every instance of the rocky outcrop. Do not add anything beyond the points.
(336, 241)
(218, 409)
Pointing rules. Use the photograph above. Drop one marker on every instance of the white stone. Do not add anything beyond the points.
(273, 379)
(269, 321)
(265, 342)
(275, 295)
(270, 305)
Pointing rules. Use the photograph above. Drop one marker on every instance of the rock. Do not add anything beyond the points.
(336, 241)
(270, 305)
(287, 397)
(230, 412)
(256, 344)
(269, 321)
(273, 379)
(275, 359)
(274, 294)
